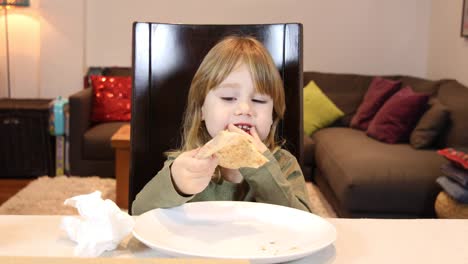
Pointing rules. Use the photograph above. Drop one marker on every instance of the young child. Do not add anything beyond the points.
(237, 87)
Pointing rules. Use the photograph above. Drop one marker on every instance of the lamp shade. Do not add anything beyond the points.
(14, 2)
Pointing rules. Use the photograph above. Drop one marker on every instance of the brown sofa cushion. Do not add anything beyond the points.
(430, 126)
(97, 141)
(454, 96)
(368, 175)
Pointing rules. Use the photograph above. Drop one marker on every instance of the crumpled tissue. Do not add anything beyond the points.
(101, 225)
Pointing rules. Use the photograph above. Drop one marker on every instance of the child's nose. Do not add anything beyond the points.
(244, 108)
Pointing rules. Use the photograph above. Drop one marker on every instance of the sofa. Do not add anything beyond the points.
(363, 177)
(90, 151)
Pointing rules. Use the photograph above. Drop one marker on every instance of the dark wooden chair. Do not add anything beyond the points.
(165, 59)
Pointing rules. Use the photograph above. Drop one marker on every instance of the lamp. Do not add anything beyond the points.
(6, 4)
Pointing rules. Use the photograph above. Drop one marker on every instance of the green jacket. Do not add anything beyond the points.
(279, 181)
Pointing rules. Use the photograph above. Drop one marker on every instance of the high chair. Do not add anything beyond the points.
(165, 59)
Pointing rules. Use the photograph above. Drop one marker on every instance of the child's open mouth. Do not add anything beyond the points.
(245, 127)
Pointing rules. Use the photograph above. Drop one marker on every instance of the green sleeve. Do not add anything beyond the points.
(159, 193)
(280, 181)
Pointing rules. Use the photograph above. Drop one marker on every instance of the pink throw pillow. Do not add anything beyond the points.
(111, 98)
(398, 116)
(379, 91)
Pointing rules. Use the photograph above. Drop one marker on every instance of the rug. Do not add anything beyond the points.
(318, 203)
(45, 196)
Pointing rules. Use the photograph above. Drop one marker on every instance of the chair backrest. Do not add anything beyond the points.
(165, 59)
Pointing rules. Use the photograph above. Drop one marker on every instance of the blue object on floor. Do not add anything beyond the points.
(57, 116)
(452, 188)
(457, 174)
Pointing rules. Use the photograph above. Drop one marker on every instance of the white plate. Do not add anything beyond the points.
(261, 233)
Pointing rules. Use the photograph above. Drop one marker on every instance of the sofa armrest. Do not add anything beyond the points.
(309, 157)
(80, 105)
(309, 151)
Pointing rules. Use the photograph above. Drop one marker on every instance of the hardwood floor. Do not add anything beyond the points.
(9, 187)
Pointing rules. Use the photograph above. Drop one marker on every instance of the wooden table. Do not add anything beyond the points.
(359, 241)
(120, 141)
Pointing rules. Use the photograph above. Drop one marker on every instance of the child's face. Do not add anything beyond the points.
(236, 101)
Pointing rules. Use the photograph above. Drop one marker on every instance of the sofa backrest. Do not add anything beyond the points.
(106, 71)
(454, 95)
(345, 90)
(421, 85)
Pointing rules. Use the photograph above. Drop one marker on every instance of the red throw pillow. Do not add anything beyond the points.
(111, 98)
(398, 116)
(378, 92)
(459, 158)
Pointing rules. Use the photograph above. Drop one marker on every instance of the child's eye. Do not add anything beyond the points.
(228, 98)
(260, 101)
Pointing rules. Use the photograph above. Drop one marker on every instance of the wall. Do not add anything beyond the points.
(361, 36)
(62, 47)
(448, 51)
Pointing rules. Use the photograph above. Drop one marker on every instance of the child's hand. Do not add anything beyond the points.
(192, 175)
(253, 136)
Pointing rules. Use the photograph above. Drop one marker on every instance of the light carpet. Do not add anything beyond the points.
(45, 196)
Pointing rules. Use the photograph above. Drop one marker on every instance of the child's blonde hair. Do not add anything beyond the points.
(215, 67)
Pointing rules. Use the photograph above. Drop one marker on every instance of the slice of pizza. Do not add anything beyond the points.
(233, 151)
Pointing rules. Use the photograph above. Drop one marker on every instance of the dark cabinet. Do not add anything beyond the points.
(26, 146)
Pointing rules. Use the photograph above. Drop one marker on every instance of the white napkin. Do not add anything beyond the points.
(100, 227)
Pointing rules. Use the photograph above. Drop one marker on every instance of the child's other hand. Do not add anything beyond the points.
(191, 175)
(253, 136)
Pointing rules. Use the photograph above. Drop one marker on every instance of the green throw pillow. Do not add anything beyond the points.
(319, 110)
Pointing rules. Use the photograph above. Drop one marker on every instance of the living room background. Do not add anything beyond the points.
(53, 42)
